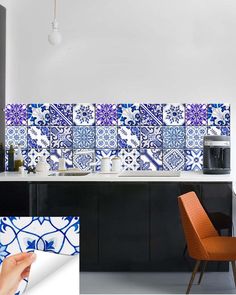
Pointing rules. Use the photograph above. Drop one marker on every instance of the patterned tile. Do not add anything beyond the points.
(151, 137)
(26, 234)
(128, 137)
(84, 114)
(151, 159)
(173, 159)
(84, 137)
(174, 114)
(99, 154)
(151, 114)
(61, 114)
(194, 136)
(56, 154)
(35, 154)
(128, 114)
(106, 114)
(25, 158)
(38, 137)
(16, 135)
(130, 159)
(196, 114)
(38, 114)
(16, 114)
(217, 130)
(194, 160)
(106, 137)
(82, 160)
(61, 137)
(218, 114)
(173, 137)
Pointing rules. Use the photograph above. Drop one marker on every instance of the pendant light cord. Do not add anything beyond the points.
(55, 9)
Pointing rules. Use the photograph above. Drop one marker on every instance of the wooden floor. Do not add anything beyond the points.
(154, 283)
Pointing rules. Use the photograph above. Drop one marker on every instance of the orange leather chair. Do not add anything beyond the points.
(203, 241)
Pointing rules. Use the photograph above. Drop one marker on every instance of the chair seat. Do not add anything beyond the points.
(220, 248)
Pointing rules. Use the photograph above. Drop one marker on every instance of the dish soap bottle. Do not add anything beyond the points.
(19, 160)
(2, 158)
(11, 158)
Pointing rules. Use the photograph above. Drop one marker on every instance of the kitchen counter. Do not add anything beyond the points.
(98, 177)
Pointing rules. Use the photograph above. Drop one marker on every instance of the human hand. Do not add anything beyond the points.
(14, 269)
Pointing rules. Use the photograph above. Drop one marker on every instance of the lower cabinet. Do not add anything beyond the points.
(124, 226)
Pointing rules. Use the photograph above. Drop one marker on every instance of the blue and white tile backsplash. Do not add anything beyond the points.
(145, 136)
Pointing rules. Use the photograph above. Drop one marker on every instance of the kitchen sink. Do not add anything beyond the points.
(69, 173)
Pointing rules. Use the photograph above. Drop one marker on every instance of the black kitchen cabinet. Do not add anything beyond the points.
(166, 236)
(14, 199)
(123, 225)
(73, 199)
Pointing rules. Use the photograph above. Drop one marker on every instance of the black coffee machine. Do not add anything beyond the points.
(216, 155)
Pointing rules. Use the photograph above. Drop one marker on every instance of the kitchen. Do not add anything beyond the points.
(151, 108)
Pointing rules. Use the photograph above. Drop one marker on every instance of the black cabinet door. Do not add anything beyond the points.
(73, 199)
(123, 225)
(14, 199)
(167, 239)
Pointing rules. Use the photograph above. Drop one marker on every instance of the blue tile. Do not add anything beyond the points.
(151, 137)
(128, 137)
(128, 114)
(173, 159)
(151, 159)
(173, 137)
(61, 137)
(106, 137)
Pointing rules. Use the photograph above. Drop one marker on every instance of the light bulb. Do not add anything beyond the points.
(55, 37)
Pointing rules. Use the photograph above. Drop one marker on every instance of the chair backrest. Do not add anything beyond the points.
(196, 224)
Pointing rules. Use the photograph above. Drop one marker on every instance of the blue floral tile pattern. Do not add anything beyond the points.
(61, 114)
(173, 159)
(106, 114)
(174, 114)
(151, 137)
(59, 235)
(151, 114)
(84, 137)
(128, 137)
(99, 154)
(56, 154)
(16, 135)
(173, 137)
(217, 130)
(196, 114)
(194, 136)
(130, 159)
(16, 114)
(151, 159)
(128, 114)
(38, 114)
(34, 155)
(82, 159)
(38, 137)
(194, 160)
(219, 115)
(61, 137)
(106, 137)
(84, 114)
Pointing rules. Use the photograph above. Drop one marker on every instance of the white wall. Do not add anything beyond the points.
(123, 50)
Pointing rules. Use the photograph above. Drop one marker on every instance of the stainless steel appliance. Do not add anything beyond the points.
(216, 155)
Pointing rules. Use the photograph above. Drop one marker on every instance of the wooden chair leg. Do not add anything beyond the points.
(196, 267)
(234, 271)
(202, 272)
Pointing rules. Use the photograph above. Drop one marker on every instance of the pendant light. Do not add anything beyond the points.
(55, 37)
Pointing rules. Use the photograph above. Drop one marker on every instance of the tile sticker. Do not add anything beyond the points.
(194, 160)
(106, 114)
(59, 235)
(133, 130)
(84, 114)
(61, 114)
(16, 114)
